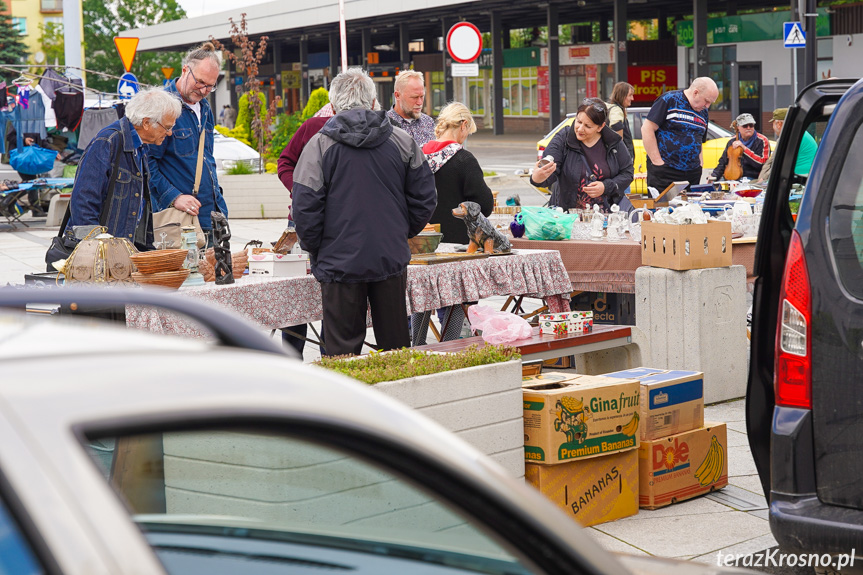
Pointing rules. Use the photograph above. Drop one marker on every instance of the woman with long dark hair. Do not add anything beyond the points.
(589, 162)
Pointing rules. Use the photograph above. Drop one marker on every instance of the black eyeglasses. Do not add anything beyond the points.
(163, 127)
(748, 126)
(200, 84)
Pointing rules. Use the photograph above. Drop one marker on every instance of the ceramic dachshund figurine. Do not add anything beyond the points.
(483, 235)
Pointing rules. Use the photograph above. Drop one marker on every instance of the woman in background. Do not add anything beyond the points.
(458, 178)
(457, 173)
(590, 162)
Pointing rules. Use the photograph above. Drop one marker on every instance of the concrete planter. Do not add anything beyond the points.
(482, 405)
(235, 474)
(255, 196)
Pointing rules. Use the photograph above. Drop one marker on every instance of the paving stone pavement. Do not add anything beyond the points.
(695, 530)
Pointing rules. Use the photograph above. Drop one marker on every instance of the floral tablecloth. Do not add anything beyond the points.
(280, 302)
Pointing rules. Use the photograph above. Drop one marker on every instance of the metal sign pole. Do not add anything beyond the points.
(343, 34)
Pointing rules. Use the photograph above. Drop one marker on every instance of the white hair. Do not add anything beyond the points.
(406, 76)
(352, 89)
(155, 104)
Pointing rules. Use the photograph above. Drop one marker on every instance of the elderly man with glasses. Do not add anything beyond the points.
(173, 163)
(113, 185)
(752, 148)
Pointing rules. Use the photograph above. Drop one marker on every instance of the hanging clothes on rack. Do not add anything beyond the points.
(22, 98)
(68, 108)
(6, 116)
(92, 121)
(30, 120)
(51, 81)
(50, 118)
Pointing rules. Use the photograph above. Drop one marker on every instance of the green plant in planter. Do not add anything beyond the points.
(240, 169)
(407, 362)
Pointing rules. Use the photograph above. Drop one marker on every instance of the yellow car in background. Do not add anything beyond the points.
(717, 139)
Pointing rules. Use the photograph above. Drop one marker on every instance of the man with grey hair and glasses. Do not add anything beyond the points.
(173, 164)
(361, 188)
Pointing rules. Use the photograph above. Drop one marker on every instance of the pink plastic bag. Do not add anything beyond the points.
(498, 326)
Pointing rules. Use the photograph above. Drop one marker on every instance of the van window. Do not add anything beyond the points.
(846, 220)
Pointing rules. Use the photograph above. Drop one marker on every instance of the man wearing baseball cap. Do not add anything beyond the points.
(805, 155)
(755, 148)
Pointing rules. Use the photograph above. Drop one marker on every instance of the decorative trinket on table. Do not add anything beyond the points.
(566, 322)
(597, 224)
(222, 249)
(102, 259)
(481, 233)
(516, 226)
(190, 244)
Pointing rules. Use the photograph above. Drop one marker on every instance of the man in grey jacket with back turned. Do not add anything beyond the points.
(362, 187)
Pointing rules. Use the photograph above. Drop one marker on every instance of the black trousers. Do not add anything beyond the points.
(660, 177)
(345, 307)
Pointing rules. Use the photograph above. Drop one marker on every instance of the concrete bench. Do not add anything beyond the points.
(607, 348)
(57, 209)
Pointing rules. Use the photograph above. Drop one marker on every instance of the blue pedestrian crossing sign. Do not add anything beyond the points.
(793, 35)
(127, 86)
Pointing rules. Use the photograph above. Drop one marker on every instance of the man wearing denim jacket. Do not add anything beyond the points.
(172, 164)
(150, 115)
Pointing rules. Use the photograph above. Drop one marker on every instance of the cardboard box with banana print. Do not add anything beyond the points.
(578, 416)
(682, 466)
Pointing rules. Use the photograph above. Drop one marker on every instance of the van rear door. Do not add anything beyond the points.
(809, 115)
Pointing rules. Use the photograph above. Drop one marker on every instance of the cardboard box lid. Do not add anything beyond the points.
(546, 377)
(577, 381)
(651, 376)
(274, 257)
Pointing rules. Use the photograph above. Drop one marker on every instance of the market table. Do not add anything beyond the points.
(610, 266)
(278, 302)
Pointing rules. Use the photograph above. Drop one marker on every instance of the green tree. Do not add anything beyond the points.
(52, 41)
(12, 49)
(104, 20)
(317, 100)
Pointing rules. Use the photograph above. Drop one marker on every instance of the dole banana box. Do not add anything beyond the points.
(682, 466)
(573, 416)
(672, 401)
(591, 491)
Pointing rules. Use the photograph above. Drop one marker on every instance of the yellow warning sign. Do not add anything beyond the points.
(168, 72)
(126, 47)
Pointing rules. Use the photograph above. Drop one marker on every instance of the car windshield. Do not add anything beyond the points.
(226, 501)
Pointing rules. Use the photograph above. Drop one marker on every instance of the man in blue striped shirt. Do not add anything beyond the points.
(673, 132)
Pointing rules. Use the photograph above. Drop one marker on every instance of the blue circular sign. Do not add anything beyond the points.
(127, 86)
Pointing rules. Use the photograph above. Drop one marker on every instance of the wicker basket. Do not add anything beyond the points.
(159, 261)
(172, 280)
(506, 210)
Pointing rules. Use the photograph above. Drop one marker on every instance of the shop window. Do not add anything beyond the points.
(522, 92)
(437, 92)
(476, 97)
(720, 59)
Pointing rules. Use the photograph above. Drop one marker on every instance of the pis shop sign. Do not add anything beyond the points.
(650, 82)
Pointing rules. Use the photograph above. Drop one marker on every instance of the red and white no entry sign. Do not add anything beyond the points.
(464, 42)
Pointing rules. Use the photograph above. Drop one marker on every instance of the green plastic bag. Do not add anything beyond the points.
(546, 224)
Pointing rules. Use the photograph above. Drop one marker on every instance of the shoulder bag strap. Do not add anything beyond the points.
(103, 215)
(199, 167)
